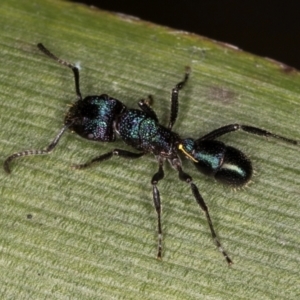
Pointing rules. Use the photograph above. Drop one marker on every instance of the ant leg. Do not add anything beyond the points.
(145, 106)
(65, 63)
(108, 155)
(250, 129)
(157, 204)
(174, 97)
(148, 101)
(156, 177)
(188, 179)
(32, 152)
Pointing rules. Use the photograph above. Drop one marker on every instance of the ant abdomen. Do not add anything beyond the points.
(236, 168)
(226, 164)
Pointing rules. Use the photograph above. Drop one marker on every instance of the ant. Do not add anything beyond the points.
(101, 118)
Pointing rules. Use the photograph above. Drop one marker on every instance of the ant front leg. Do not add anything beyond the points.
(108, 155)
(157, 204)
(145, 106)
(188, 179)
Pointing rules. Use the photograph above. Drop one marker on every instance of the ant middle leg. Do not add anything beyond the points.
(174, 97)
(159, 175)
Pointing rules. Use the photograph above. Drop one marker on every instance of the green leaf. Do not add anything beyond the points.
(69, 234)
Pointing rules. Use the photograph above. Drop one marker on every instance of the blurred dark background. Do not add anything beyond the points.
(266, 28)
